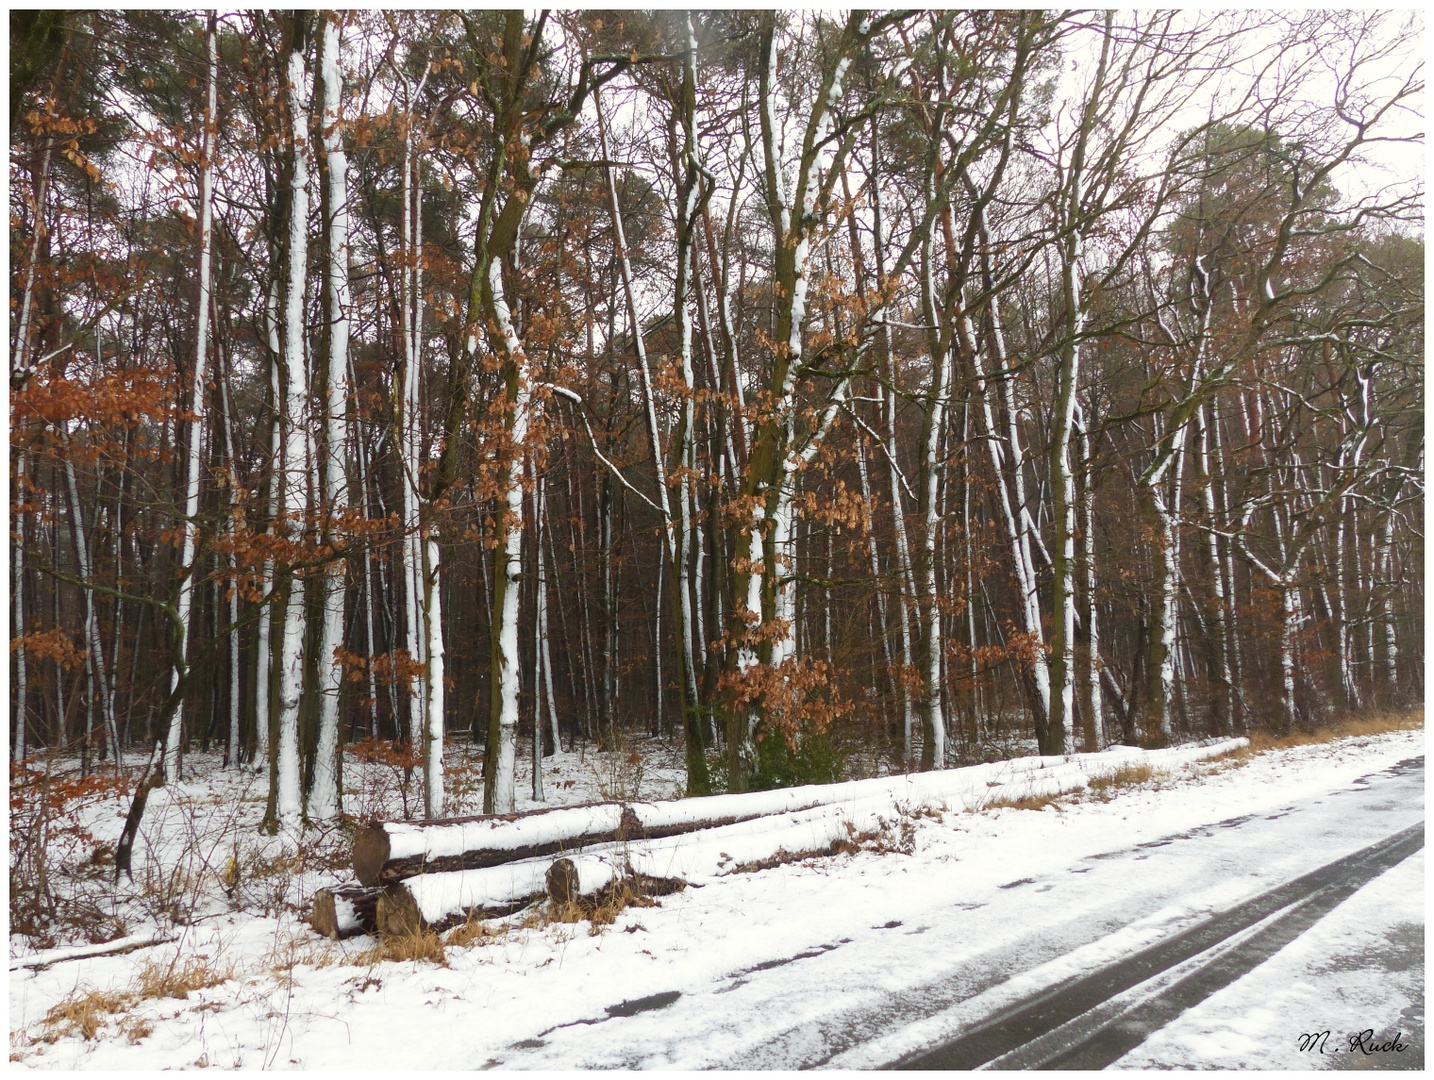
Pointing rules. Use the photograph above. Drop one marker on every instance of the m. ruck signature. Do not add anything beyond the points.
(1362, 1042)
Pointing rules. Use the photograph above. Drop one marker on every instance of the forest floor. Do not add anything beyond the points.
(849, 960)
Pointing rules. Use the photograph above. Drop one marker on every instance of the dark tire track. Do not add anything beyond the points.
(1310, 897)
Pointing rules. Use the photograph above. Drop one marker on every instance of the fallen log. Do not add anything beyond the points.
(385, 853)
(439, 901)
(50, 957)
(704, 853)
(345, 911)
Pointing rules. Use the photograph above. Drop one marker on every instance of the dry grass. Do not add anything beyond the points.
(1105, 787)
(1365, 724)
(1025, 802)
(472, 932)
(601, 910)
(176, 980)
(83, 1013)
(416, 945)
(135, 1028)
(86, 1011)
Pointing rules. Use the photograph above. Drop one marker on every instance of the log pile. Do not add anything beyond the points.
(415, 875)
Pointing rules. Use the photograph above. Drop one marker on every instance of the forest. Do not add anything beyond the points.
(825, 393)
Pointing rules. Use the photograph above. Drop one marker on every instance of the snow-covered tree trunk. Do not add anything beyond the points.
(1008, 467)
(407, 407)
(295, 425)
(19, 365)
(263, 631)
(795, 212)
(1221, 679)
(546, 657)
(1094, 702)
(17, 599)
(1073, 222)
(323, 801)
(875, 554)
(499, 794)
(1388, 629)
(902, 547)
(689, 171)
(190, 525)
(933, 720)
(368, 577)
(1161, 507)
(233, 747)
(1349, 686)
(433, 689)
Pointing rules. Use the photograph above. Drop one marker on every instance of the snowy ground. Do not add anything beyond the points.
(848, 961)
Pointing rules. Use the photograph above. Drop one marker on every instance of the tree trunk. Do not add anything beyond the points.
(1094, 701)
(190, 525)
(324, 802)
(294, 421)
(933, 721)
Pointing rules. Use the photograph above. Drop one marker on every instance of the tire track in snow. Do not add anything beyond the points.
(1039, 1032)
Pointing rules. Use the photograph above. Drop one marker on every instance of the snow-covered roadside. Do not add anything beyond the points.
(296, 999)
(1360, 968)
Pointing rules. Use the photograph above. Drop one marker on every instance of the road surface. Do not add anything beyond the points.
(1075, 966)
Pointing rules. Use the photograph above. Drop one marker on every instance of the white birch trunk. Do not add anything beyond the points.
(235, 747)
(875, 554)
(21, 355)
(433, 704)
(263, 633)
(1013, 520)
(411, 555)
(287, 804)
(543, 638)
(17, 559)
(510, 539)
(1220, 615)
(1094, 700)
(196, 425)
(323, 802)
(933, 720)
(1388, 629)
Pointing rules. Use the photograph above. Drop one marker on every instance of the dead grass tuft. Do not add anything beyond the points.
(83, 1013)
(136, 1029)
(416, 945)
(1026, 802)
(1105, 787)
(472, 932)
(176, 980)
(601, 910)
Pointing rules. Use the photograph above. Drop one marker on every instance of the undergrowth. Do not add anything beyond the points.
(86, 1010)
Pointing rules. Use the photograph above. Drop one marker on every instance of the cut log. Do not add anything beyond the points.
(386, 852)
(397, 913)
(593, 876)
(582, 875)
(345, 911)
(440, 901)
